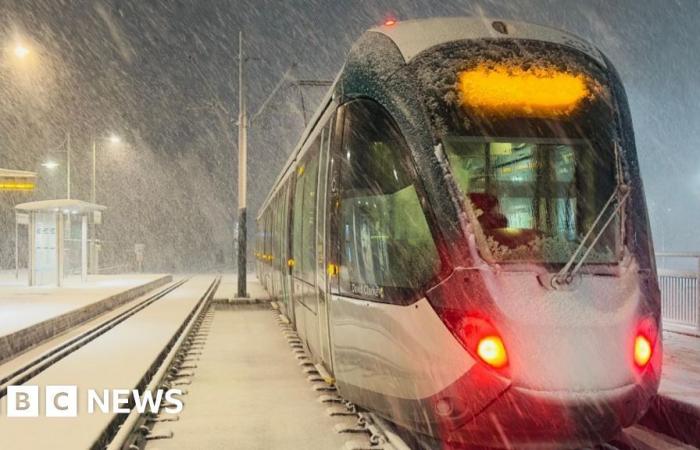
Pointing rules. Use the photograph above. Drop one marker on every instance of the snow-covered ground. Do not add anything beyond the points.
(228, 288)
(681, 371)
(249, 392)
(116, 360)
(24, 307)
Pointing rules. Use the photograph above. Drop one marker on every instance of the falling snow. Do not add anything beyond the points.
(162, 75)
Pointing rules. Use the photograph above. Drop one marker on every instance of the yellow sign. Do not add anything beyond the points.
(332, 269)
(16, 185)
(507, 90)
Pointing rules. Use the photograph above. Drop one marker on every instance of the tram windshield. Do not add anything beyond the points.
(533, 200)
(529, 134)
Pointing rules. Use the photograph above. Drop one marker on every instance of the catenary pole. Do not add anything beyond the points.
(242, 156)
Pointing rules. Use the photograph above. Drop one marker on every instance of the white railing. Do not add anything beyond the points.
(680, 291)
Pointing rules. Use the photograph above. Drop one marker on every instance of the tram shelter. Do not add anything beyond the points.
(57, 232)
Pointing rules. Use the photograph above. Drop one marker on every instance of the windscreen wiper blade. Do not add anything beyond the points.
(566, 274)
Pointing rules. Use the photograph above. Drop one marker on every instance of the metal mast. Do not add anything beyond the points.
(242, 173)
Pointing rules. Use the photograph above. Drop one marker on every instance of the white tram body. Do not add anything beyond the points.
(461, 238)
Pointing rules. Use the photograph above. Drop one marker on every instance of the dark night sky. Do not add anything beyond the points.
(150, 71)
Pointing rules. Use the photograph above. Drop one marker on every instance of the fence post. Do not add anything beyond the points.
(697, 297)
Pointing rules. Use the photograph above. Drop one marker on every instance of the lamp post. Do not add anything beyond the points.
(114, 139)
(52, 164)
(67, 165)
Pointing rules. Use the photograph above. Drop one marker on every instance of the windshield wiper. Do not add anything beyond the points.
(566, 274)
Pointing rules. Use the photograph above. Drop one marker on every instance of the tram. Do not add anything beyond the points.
(461, 238)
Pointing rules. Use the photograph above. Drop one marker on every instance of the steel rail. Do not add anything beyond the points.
(123, 428)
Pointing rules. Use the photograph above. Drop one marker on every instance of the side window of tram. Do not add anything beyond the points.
(387, 252)
(268, 238)
(297, 221)
(273, 250)
(304, 224)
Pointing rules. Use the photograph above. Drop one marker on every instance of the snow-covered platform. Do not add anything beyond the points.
(30, 315)
(676, 410)
(228, 289)
(118, 359)
(248, 390)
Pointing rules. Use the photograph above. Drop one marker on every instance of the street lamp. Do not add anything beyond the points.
(21, 51)
(112, 139)
(50, 165)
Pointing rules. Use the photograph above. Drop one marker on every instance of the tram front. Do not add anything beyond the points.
(559, 285)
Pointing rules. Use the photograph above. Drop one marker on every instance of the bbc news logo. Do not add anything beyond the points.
(63, 401)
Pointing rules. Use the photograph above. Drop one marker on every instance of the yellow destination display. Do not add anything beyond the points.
(505, 90)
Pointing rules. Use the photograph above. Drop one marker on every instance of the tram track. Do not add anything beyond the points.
(365, 430)
(132, 431)
(60, 351)
(136, 356)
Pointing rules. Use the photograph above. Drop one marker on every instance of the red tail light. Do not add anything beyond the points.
(483, 341)
(644, 342)
(492, 351)
(642, 350)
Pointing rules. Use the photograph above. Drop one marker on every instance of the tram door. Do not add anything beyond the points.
(296, 286)
(284, 251)
(321, 233)
(304, 246)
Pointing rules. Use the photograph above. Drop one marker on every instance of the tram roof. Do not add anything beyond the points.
(414, 36)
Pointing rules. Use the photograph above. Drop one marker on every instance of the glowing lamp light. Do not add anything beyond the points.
(50, 165)
(389, 22)
(507, 90)
(642, 350)
(492, 351)
(21, 51)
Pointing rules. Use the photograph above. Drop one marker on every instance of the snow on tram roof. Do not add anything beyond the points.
(414, 36)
